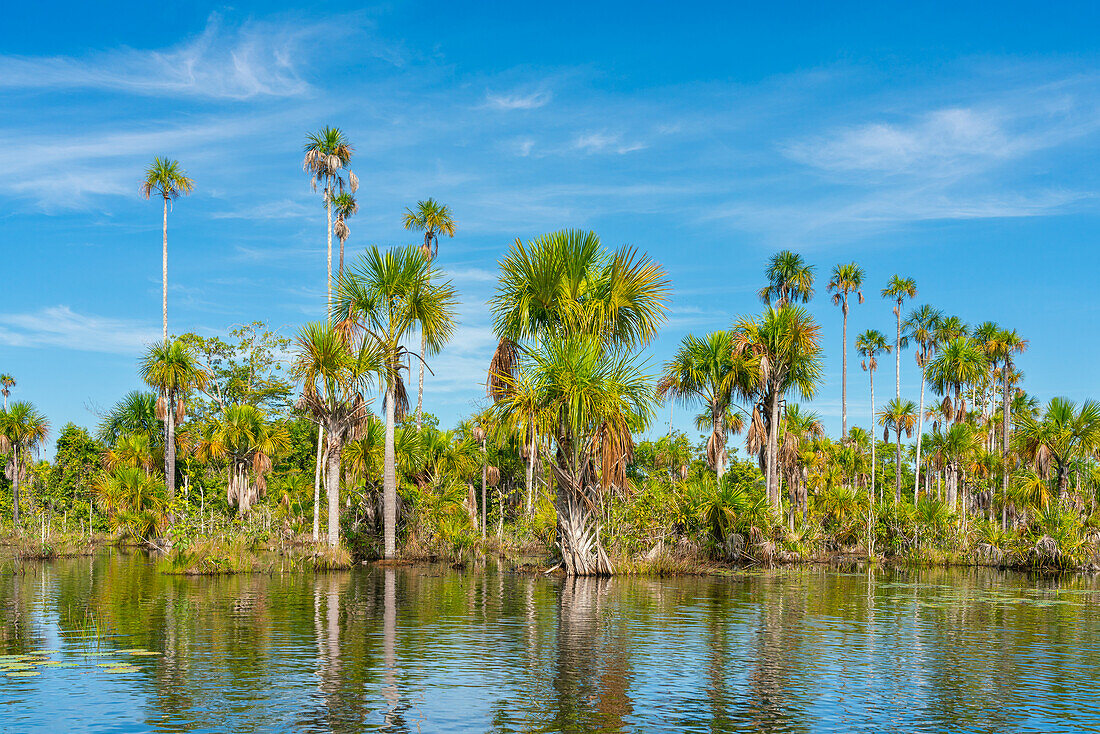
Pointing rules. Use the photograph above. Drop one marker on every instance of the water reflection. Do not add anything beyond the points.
(431, 649)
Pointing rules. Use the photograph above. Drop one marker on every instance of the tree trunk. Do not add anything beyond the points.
(897, 472)
(317, 485)
(720, 449)
(389, 482)
(920, 430)
(15, 484)
(844, 374)
(328, 213)
(332, 488)
(897, 355)
(772, 450)
(420, 384)
(531, 474)
(578, 537)
(871, 489)
(1005, 409)
(170, 449)
(484, 471)
(164, 273)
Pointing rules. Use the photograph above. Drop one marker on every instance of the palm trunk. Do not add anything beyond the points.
(773, 437)
(920, 430)
(1005, 408)
(578, 537)
(531, 474)
(420, 385)
(328, 213)
(871, 489)
(897, 471)
(720, 449)
(389, 481)
(317, 485)
(170, 448)
(332, 488)
(164, 272)
(484, 472)
(15, 484)
(897, 355)
(844, 374)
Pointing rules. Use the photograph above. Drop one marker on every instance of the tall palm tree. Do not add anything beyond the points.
(167, 179)
(783, 351)
(7, 382)
(172, 369)
(1009, 345)
(899, 416)
(379, 301)
(327, 154)
(798, 428)
(564, 300)
(345, 206)
(869, 345)
(846, 279)
(960, 362)
(335, 375)
(790, 279)
(897, 290)
(433, 219)
(704, 370)
(249, 442)
(921, 328)
(22, 430)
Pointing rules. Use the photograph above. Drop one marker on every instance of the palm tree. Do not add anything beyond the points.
(165, 178)
(327, 153)
(783, 351)
(563, 303)
(519, 409)
(898, 289)
(172, 369)
(381, 300)
(345, 206)
(846, 279)
(704, 370)
(1009, 344)
(960, 362)
(245, 437)
(921, 328)
(7, 382)
(1062, 436)
(899, 416)
(798, 428)
(22, 430)
(335, 374)
(136, 414)
(959, 443)
(789, 279)
(433, 219)
(869, 345)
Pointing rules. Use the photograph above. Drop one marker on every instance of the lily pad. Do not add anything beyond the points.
(23, 674)
(145, 652)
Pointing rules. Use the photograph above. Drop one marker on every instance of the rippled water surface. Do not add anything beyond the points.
(432, 649)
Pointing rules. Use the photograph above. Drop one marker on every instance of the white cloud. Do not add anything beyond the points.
(530, 101)
(603, 142)
(256, 59)
(60, 326)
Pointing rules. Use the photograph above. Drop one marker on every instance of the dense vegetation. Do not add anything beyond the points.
(235, 447)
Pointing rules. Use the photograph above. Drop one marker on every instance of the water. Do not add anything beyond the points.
(436, 650)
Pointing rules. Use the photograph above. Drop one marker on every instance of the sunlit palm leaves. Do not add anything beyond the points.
(23, 429)
(790, 280)
(845, 280)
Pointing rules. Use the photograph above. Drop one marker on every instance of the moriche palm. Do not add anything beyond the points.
(166, 179)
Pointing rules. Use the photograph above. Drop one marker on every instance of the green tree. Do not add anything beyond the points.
(1063, 435)
(167, 179)
(23, 429)
(899, 416)
(346, 207)
(897, 290)
(790, 280)
(327, 154)
(248, 441)
(433, 219)
(921, 328)
(869, 346)
(783, 353)
(846, 279)
(173, 370)
(75, 466)
(7, 382)
(960, 362)
(380, 301)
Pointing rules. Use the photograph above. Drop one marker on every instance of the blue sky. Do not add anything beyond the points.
(932, 140)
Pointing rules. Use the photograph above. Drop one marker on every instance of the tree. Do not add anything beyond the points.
(248, 441)
(76, 463)
(165, 178)
(327, 153)
(898, 289)
(959, 362)
(798, 428)
(1062, 436)
(869, 345)
(346, 206)
(704, 370)
(23, 429)
(566, 310)
(433, 219)
(921, 328)
(899, 416)
(136, 413)
(520, 410)
(783, 353)
(789, 279)
(846, 279)
(172, 369)
(379, 301)
(1009, 345)
(335, 374)
(7, 382)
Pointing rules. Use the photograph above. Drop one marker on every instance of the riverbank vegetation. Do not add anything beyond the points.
(303, 449)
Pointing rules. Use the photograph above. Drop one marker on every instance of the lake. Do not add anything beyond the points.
(107, 644)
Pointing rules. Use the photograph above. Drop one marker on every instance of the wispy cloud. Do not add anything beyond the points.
(604, 142)
(254, 59)
(518, 101)
(60, 326)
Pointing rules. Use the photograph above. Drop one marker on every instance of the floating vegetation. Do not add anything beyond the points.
(144, 652)
(23, 674)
